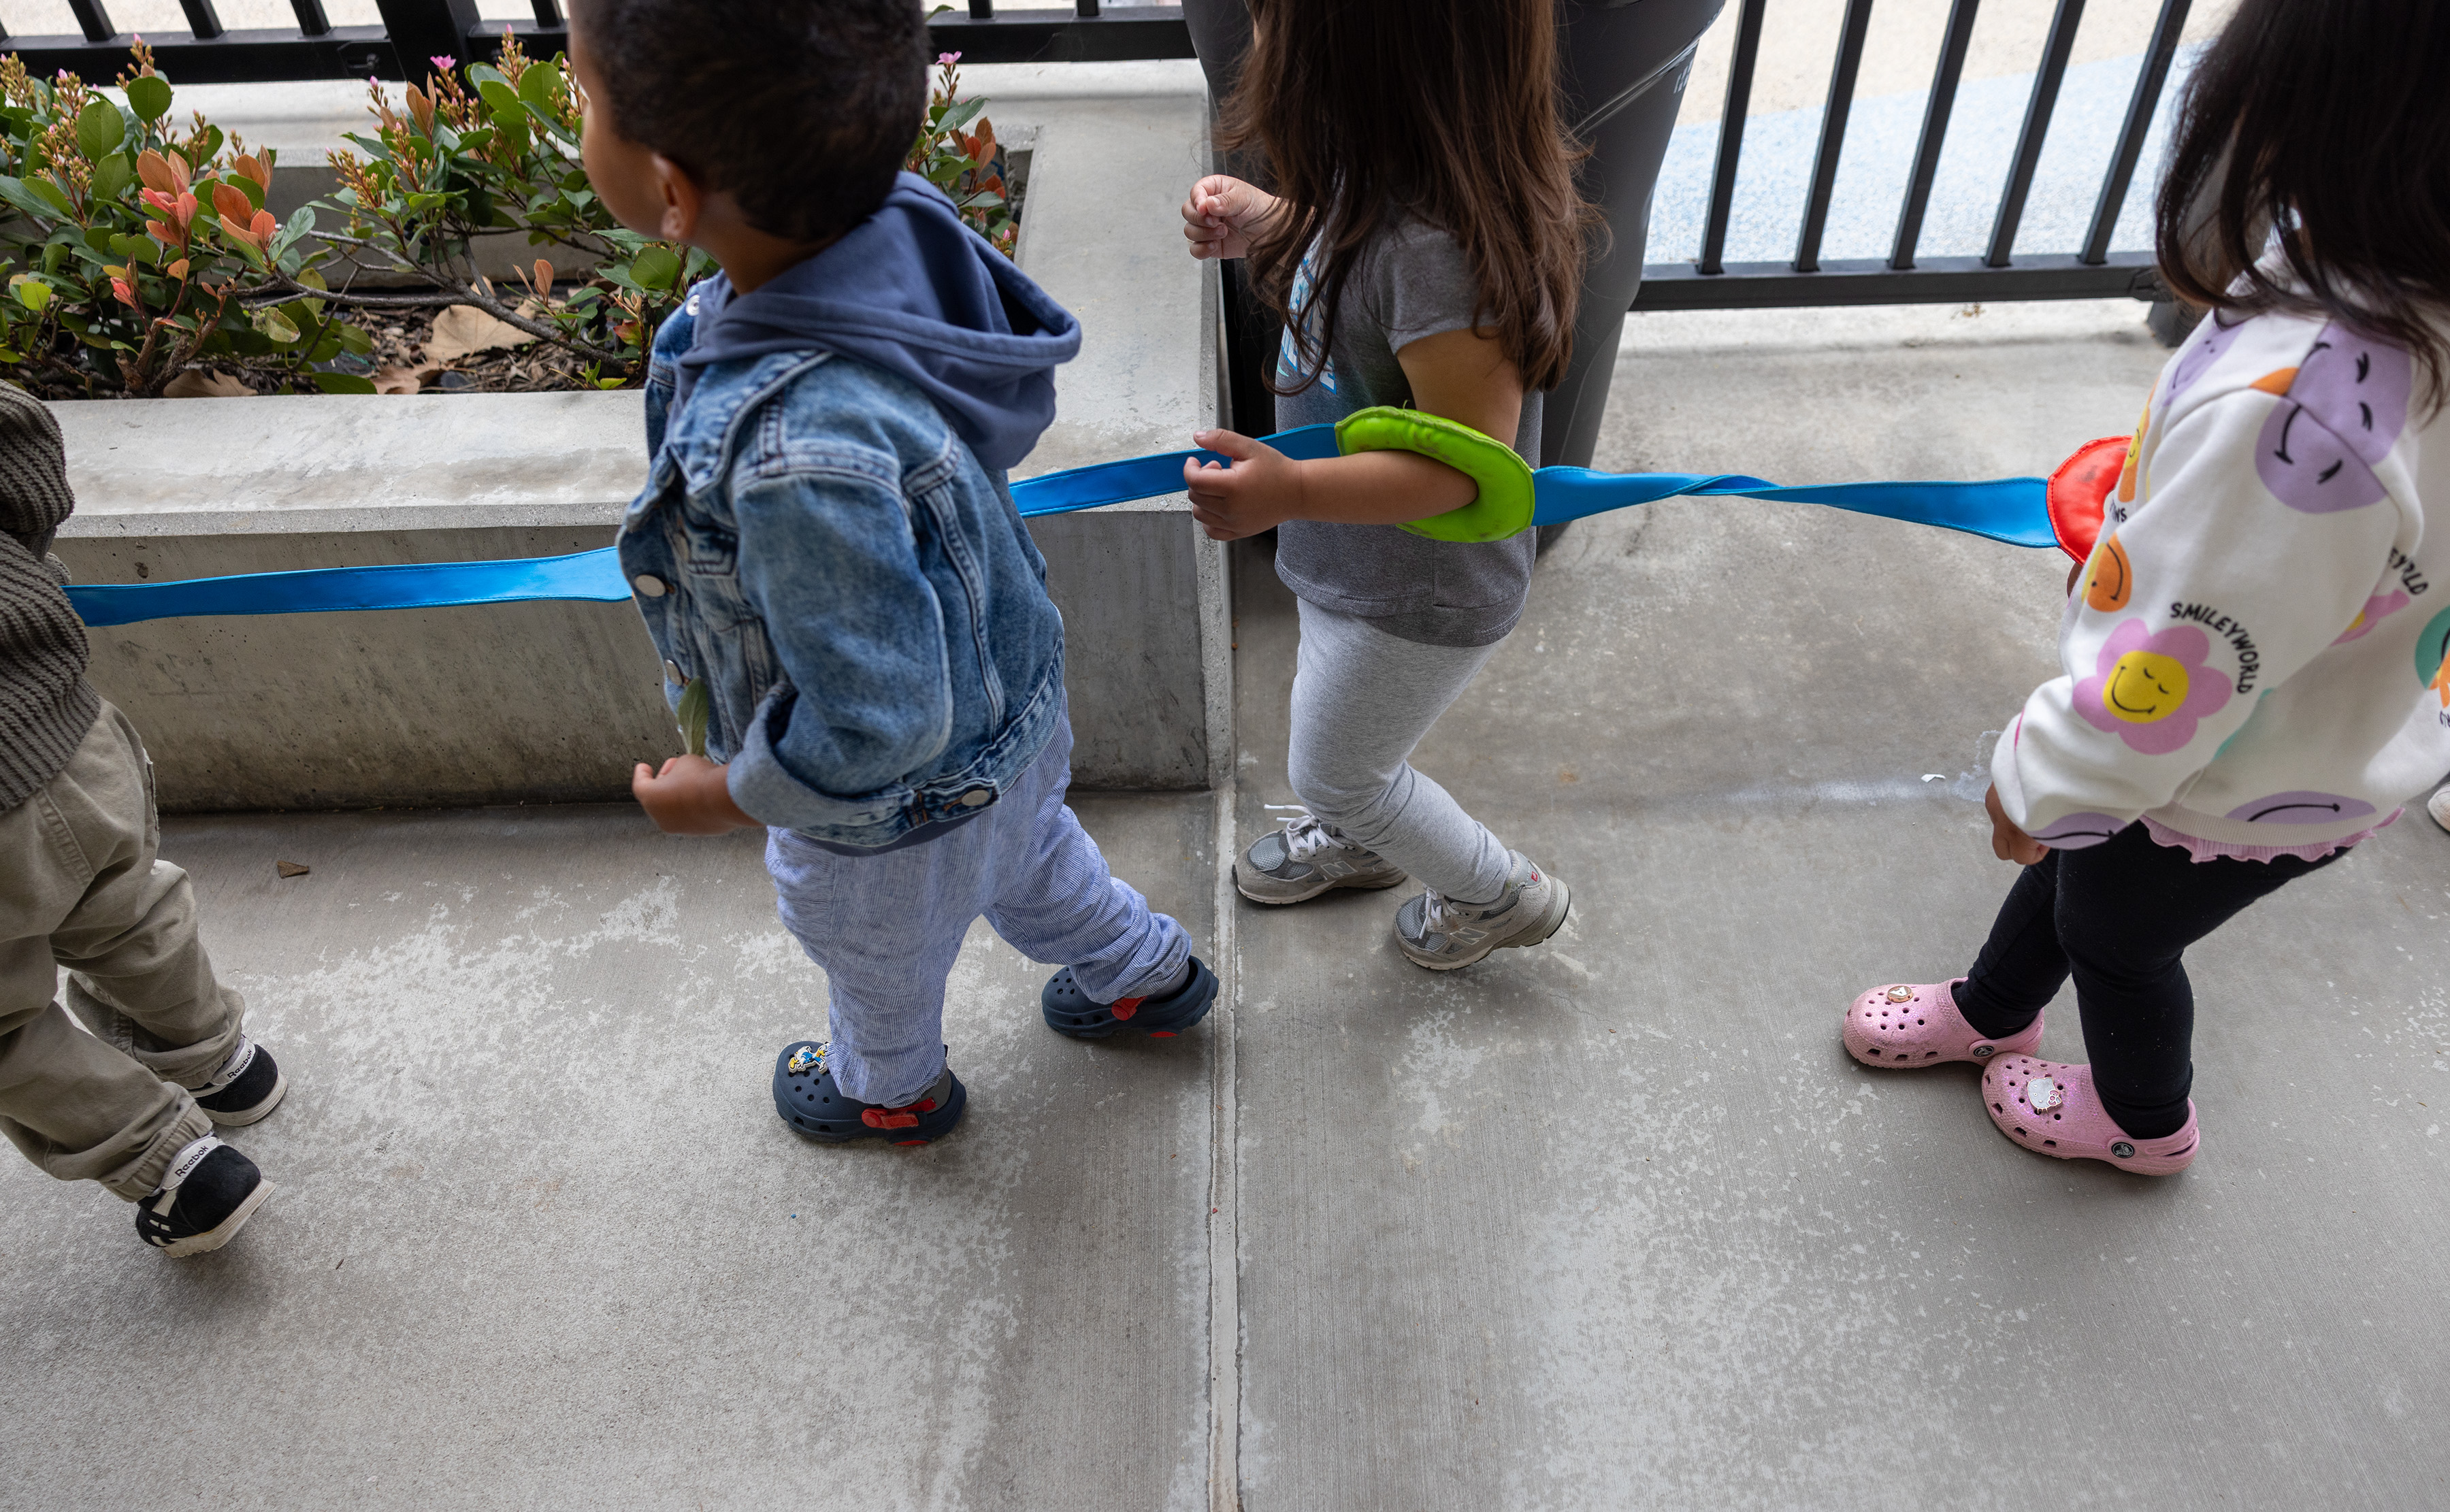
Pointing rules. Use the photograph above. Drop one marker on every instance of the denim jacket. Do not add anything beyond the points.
(866, 609)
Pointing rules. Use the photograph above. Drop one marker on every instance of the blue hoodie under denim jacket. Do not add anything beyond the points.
(826, 539)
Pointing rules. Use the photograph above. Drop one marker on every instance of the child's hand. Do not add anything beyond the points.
(688, 797)
(2008, 843)
(1262, 490)
(1221, 213)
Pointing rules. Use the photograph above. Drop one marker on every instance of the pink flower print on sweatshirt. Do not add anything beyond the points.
(2341, 411)
(2149, 690)
(2375, 612)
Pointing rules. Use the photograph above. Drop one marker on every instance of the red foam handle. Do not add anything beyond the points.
(2079, 493)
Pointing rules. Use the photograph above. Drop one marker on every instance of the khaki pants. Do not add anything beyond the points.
(80, 886)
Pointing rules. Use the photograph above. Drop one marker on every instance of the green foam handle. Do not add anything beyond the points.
(1503, 507)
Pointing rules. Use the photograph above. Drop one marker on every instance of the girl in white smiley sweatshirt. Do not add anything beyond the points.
(2254, 656)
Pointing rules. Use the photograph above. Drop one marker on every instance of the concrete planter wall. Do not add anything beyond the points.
(553, 702)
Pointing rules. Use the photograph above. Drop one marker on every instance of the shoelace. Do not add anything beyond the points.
(1439, 915)
(1306, 835)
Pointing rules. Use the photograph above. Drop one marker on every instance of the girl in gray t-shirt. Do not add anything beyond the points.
(1424, 252)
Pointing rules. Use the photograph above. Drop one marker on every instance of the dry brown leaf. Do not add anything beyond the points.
(403, 380)
(464, 329)
(291, 868)
(196, 385)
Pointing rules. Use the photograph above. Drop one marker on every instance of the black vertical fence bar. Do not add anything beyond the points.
(1833, 134)
(92, 20)
(1085, 10)
(1731, 135)
(312, 22)
(982, 10)
(2038, 126)
(548, 14)
(422, 30)
(2140, 106)
(202, 19)
(1935, 112)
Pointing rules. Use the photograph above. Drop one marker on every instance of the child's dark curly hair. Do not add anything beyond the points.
(801, 110)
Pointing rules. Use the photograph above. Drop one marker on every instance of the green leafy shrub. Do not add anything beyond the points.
(967, 165)
(499, 154)
(135, 251)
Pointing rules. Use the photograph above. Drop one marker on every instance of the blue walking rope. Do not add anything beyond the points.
(2013, 511)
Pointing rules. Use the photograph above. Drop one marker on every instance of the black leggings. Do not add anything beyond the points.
(2119, 915)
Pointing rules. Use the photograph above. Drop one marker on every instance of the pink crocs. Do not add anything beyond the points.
(1905, 1026)
(2052, 1109)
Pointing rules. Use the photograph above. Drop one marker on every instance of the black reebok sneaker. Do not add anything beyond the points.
(204, 1199)
(249, 1086)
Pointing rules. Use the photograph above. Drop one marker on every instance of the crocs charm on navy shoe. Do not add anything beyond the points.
(808, 1100)
(1069, 1011)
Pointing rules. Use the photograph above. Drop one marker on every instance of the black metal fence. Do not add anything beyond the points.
(2094, 272)
(414, 31)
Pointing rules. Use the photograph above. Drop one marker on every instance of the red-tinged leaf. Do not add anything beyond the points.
(263, 226)
(254, 167)
(162, 233)
(232, 204)
(155, 170)
(238, 232)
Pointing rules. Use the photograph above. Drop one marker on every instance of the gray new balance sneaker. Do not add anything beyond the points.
(1306, 858)
(1441, 934)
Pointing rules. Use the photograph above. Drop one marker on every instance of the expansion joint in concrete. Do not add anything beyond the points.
(1224, 1247)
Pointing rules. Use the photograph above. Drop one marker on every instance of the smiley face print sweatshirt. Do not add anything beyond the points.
(2253, 654)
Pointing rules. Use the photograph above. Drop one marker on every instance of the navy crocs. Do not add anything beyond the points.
(1069, 1011)
(806, 1098)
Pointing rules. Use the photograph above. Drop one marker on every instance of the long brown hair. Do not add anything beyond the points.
(1445, 109)
(2327, 121)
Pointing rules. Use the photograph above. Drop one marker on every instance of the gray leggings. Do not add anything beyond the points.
(1362, 700)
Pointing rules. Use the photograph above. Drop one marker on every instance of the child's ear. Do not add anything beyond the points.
(684, 199)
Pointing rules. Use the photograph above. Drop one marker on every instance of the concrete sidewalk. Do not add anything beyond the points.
(1613, 1223)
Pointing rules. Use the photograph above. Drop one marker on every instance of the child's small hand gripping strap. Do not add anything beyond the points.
(1503, 507)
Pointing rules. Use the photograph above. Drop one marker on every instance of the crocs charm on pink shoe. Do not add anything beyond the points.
(1907, 1025)
(2052, 1109)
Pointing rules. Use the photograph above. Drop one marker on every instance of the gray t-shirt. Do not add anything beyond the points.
(1412, 282)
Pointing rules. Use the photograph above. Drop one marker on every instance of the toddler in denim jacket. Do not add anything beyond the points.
(826, 545)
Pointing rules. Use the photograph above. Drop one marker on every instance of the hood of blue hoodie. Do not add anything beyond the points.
(915, 292)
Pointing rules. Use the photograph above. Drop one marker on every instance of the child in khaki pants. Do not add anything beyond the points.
(132, 1103)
